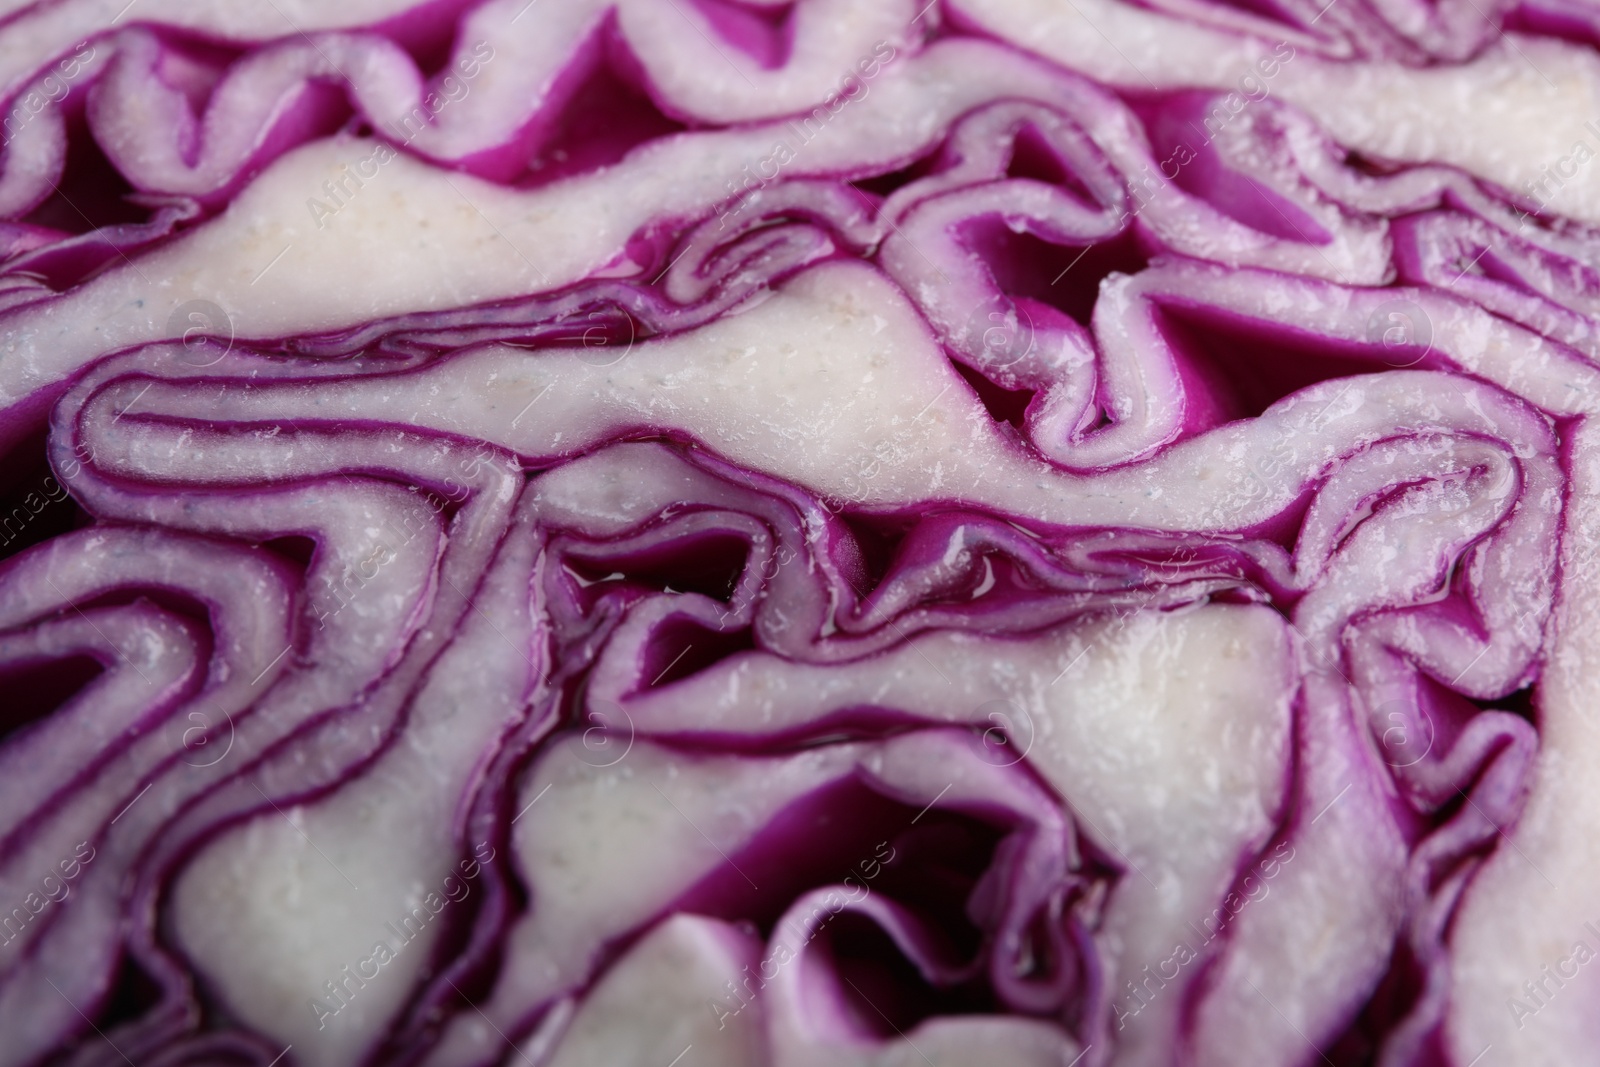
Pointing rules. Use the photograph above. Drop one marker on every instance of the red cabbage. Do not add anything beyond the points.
(777, 534)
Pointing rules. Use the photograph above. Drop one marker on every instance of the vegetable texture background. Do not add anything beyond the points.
(706, 533)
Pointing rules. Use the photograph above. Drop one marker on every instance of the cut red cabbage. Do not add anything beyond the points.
(745, 533)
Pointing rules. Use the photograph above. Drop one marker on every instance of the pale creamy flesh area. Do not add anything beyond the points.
(1507, 115)
(833, 382)
(1533, 903)
(289, 904)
